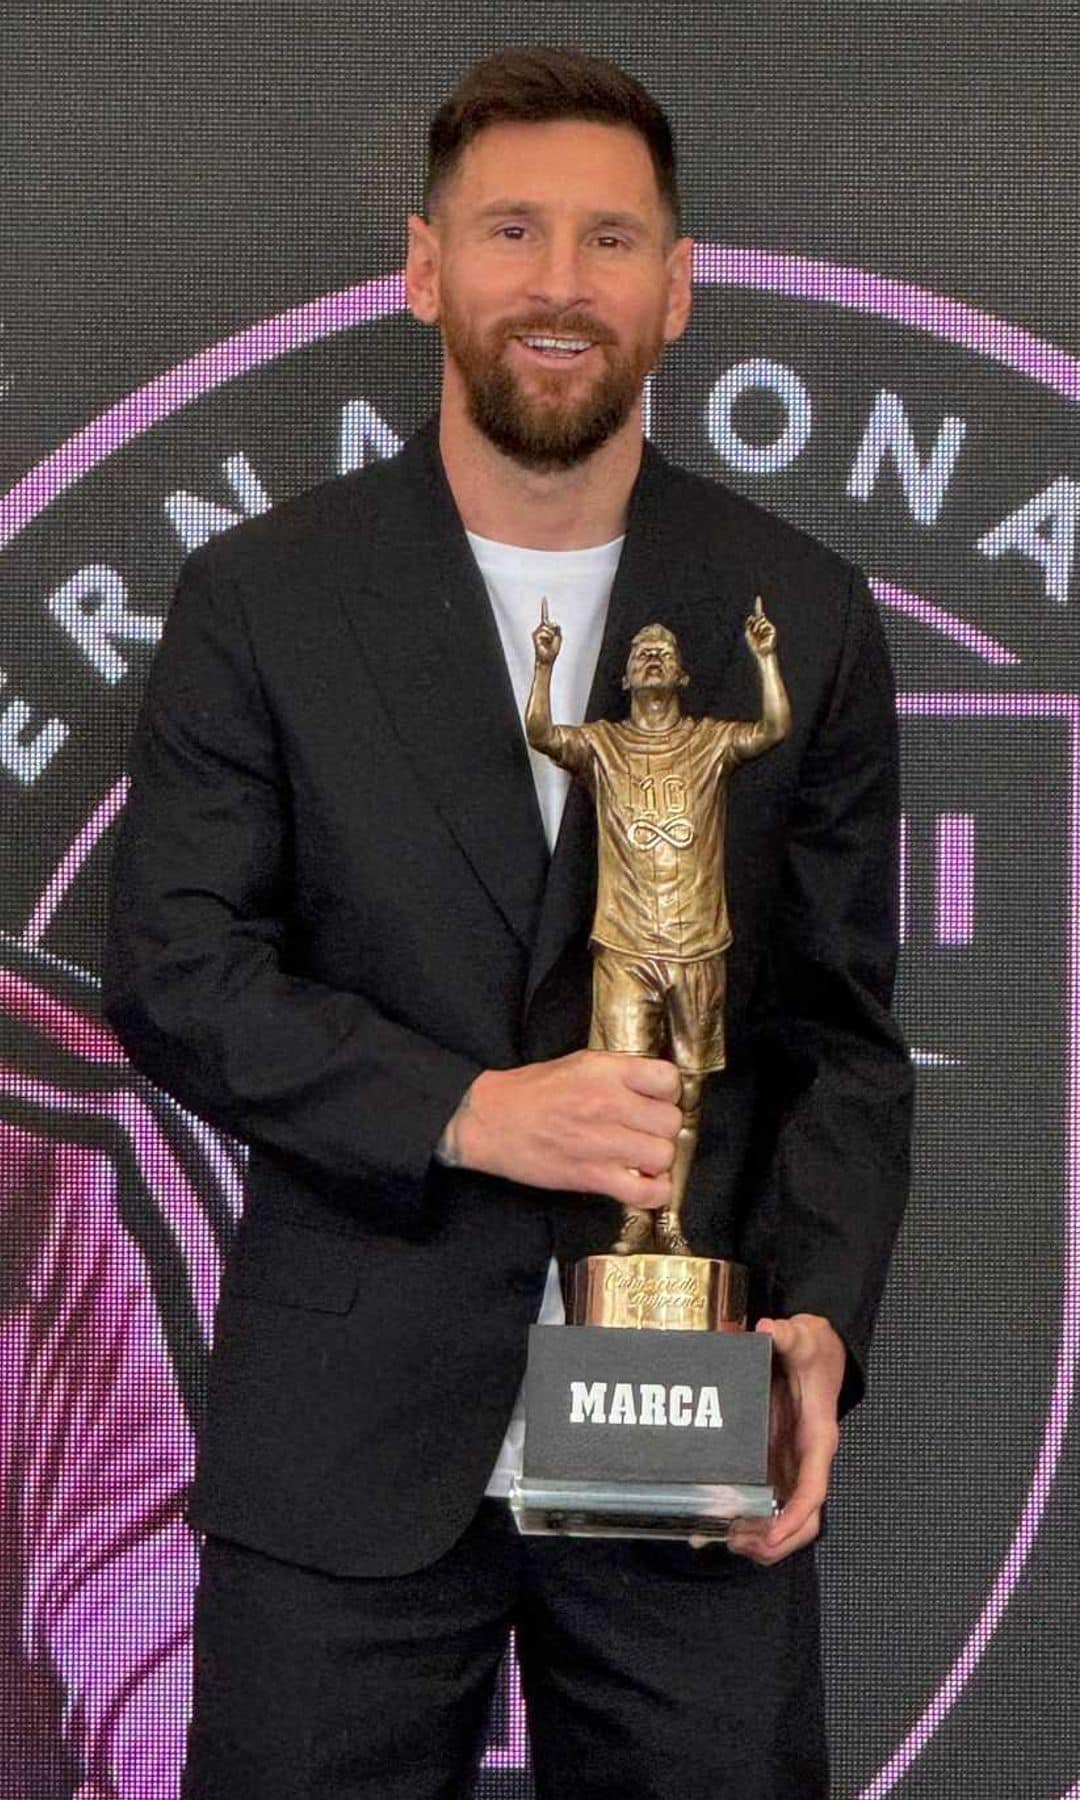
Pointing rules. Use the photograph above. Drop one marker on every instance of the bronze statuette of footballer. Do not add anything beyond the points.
(660, 932)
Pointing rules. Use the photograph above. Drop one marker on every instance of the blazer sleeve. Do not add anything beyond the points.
(837, 1071)
(194, 983)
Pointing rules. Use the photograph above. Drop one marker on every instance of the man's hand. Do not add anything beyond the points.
(547, 639)
(590, 1122)
(808, 1368)
(760, 631)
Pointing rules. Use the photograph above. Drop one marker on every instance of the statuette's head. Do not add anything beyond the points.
(654, 665)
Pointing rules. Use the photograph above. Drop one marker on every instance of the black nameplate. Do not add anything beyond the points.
(606, 1404)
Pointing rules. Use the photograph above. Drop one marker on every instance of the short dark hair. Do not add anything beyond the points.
(541, 84)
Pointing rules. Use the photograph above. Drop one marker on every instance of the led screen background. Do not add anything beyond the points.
(202, 216)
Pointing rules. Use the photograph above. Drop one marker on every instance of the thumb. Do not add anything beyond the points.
(782, 1332)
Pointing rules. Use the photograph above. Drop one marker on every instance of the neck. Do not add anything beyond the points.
(655, 712)
(562, 509)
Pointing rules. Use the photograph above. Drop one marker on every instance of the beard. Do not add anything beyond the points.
(545, 431)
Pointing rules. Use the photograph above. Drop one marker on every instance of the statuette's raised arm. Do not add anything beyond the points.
(547, 642)
(775, 721)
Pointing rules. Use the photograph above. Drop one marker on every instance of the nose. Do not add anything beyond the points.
(559, 277)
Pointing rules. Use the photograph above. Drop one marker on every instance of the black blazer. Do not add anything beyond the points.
(332, 906)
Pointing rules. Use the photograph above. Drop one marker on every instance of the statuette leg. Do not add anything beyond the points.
(638, 1236)
(669, 1235)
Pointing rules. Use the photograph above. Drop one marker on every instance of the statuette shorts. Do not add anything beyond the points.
(655, 1006)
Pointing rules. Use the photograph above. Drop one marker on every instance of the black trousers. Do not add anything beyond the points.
(650, 1672)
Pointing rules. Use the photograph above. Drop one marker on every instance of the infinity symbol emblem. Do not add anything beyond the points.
(644, 834)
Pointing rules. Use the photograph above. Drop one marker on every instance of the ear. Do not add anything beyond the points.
(422, 271)
(680, 269)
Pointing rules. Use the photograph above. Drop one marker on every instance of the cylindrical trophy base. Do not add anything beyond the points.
(660, 1293)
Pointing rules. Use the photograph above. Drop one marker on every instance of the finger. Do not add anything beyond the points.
(631, 1188)
(806, 1499)
(652, 1076)
(802, 1392)
(759, 610)
(755, 1546)
(544, 611)
(746, 1538)
(798, 1348)
(657, 1118)
(813, 1450)
(784, 1334)
(637, 1150)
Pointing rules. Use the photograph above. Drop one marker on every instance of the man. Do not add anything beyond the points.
(661, 932)
(348, 927)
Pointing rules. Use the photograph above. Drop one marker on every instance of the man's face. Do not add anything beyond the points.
(654, 665)
(551, 267)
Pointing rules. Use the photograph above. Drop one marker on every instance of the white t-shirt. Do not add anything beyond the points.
(577, 587)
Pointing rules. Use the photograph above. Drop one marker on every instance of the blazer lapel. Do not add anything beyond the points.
(429, 638)
(666, 576)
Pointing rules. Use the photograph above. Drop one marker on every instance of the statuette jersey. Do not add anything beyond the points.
(662, 806)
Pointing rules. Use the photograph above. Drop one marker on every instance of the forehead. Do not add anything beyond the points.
(657, 639)
(562, 164)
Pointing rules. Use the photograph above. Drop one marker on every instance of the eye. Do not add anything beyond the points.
(514, 233)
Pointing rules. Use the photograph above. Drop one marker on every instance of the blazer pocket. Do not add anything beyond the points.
(291, 1265)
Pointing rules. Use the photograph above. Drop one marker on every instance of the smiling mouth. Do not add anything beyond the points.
(556, 349)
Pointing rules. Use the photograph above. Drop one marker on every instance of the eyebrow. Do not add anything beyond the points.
(529, 209)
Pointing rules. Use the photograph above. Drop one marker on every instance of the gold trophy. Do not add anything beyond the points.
(660, 937)
(659, 941)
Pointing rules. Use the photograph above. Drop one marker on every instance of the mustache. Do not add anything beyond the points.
(566, 324)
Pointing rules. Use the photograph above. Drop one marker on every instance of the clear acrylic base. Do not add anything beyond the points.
(634, 1509)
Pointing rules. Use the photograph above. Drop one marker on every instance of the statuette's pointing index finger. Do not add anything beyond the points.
(758, 608)
(544, 620)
